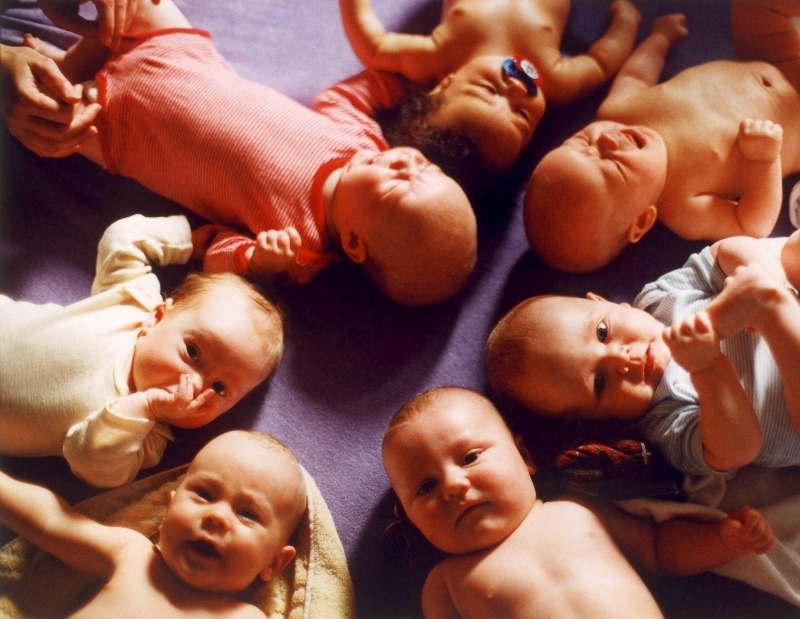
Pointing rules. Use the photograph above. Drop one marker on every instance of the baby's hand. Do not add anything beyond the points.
(760, 140)
(625, 11)
(743, 301)
(672, 27)
(176, 408)
(275, 252)
(693, 342)
(746, 531)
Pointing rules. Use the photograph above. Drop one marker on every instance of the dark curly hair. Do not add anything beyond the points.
(455, 153)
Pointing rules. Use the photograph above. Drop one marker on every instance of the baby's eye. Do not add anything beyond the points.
(602, 331)
(203, 494)
(489, 88)
(599, 385)
(426, 487)
(246, 514)
(218, 387)
(193, 352)
(470, 457)
(522, 112)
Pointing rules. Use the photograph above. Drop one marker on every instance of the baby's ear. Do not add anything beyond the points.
(594, 297)
(526, 455)
(354, 247)
(443, 83)
(642, 225)
(154, 317)
(281, 559)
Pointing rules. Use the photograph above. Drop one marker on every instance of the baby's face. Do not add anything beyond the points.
(603, 360)
(213, 342)
(493, 108)
(460, 477)
(226, 522)
(607, 180)
(406, 216)
(374, 184)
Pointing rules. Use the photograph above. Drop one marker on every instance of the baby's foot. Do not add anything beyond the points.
(794, 205)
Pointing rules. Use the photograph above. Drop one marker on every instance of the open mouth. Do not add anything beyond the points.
(204, 548)
(636, 138)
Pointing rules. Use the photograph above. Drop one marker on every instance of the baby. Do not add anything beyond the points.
(726, 318)
(703, 152)
(99, 381)
(489, 66)
(227, 525)
(307, 183)
(465, 483)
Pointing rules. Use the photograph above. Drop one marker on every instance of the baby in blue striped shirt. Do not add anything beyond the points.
(706, 362)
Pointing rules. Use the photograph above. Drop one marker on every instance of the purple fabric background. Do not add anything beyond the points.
(353, 358)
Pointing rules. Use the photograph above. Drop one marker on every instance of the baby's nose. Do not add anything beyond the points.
(622, 359)
(516, 89)
(607, 143)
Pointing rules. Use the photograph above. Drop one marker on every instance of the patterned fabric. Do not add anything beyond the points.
(625, 469)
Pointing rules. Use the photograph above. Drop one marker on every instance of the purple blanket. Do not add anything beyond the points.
(353, 357)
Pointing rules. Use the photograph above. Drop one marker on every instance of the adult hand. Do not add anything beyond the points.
(43, 110)
(113, 18)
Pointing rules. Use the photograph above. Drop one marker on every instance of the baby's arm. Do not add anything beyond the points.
(437, 602)
(736, 251)
(573, 76)
(409, 54)
(760, 203)
(643, 68)
(45, 519)
(682, 547)
(269, 256)
(753, 299)
(729, 427)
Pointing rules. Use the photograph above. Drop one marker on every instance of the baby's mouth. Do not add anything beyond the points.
(636, 138)
(649, 361)
(204, 548)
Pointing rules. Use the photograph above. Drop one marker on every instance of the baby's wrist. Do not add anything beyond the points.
(134, 406)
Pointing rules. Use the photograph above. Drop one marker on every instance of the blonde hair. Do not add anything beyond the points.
(507, 348)
(424, 402)
(270, 443)
(269, 319)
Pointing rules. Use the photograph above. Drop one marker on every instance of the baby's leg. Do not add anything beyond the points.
(764, 30)
(790, 260)
(158, 14)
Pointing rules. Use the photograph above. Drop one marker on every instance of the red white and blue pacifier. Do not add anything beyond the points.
(522, 69)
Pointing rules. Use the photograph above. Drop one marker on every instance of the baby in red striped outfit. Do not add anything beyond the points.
(290, 188)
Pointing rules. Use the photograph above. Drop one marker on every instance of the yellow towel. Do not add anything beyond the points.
(316, 585)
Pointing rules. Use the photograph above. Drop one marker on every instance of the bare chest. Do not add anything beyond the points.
(539, 572)
(137, 590)
(475, 27)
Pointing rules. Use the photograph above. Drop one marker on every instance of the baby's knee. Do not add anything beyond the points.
(790, 259)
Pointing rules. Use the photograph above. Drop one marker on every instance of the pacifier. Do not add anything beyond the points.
(522, 69)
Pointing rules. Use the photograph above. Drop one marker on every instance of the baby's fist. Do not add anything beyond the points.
(760, 140)
(275, 252)
(746, 531)
(672, 27)
(693, 342)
